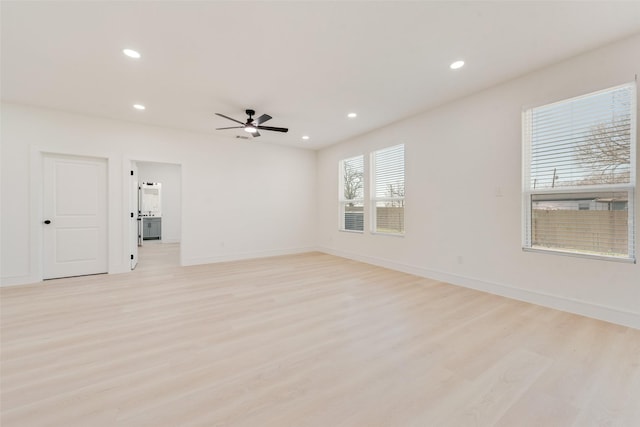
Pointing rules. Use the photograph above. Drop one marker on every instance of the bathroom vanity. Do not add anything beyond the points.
(151, 228)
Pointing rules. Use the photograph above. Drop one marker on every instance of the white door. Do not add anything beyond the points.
(135, 229)
(75, 216)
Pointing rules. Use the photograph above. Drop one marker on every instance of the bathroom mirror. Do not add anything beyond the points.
(151, 199)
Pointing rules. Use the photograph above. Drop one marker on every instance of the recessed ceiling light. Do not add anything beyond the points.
(456, 65)
(131, 53)
(305, 137)
(352, 115)
(139, 107)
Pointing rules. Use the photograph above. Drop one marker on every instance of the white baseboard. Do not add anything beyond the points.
(18, 280)
(31, 279)
(24, 280)
(571, 305)
(245, 255)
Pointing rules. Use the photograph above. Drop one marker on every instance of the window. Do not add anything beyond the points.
(352, 194)
(580, 174)
(387, 194)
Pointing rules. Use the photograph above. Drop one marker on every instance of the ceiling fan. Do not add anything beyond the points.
(252, 125)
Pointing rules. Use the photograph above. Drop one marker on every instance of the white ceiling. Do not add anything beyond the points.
(307, 64)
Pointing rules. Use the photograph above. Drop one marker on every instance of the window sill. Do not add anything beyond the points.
(380, 233)
(580, 255)
(351, 231)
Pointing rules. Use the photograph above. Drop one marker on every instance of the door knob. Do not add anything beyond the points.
(47, 221)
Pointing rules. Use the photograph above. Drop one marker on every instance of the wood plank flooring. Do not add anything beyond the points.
(303, 340)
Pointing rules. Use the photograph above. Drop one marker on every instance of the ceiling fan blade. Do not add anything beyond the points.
(229, 118)
(256, 134)
(273, 128)
(232, 127)
(263, 118)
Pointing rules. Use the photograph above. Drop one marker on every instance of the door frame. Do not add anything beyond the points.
(99, 265)
(127, 163)
(133, 206)
(36, 209)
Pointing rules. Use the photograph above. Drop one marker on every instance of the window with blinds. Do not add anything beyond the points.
(387, 192)
(580, 174)
(352, 194)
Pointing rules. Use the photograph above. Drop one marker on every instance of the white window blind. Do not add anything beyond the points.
(580, 174)
(352, 194)
(388, 190)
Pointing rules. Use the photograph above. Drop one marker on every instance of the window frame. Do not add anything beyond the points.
(374, 199)
(529, 192)
(343, 201)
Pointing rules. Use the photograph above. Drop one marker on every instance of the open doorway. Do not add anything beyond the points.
(156, 225)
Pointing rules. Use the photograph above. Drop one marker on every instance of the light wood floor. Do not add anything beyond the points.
(304, 340)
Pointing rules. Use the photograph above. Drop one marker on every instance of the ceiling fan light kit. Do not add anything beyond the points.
(252, 125)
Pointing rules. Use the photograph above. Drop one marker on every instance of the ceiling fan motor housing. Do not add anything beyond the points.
(252, 126)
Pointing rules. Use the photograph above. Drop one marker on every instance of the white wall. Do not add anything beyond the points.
(459, 158)
(239, 199)
(169, 175)
(261, 199)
